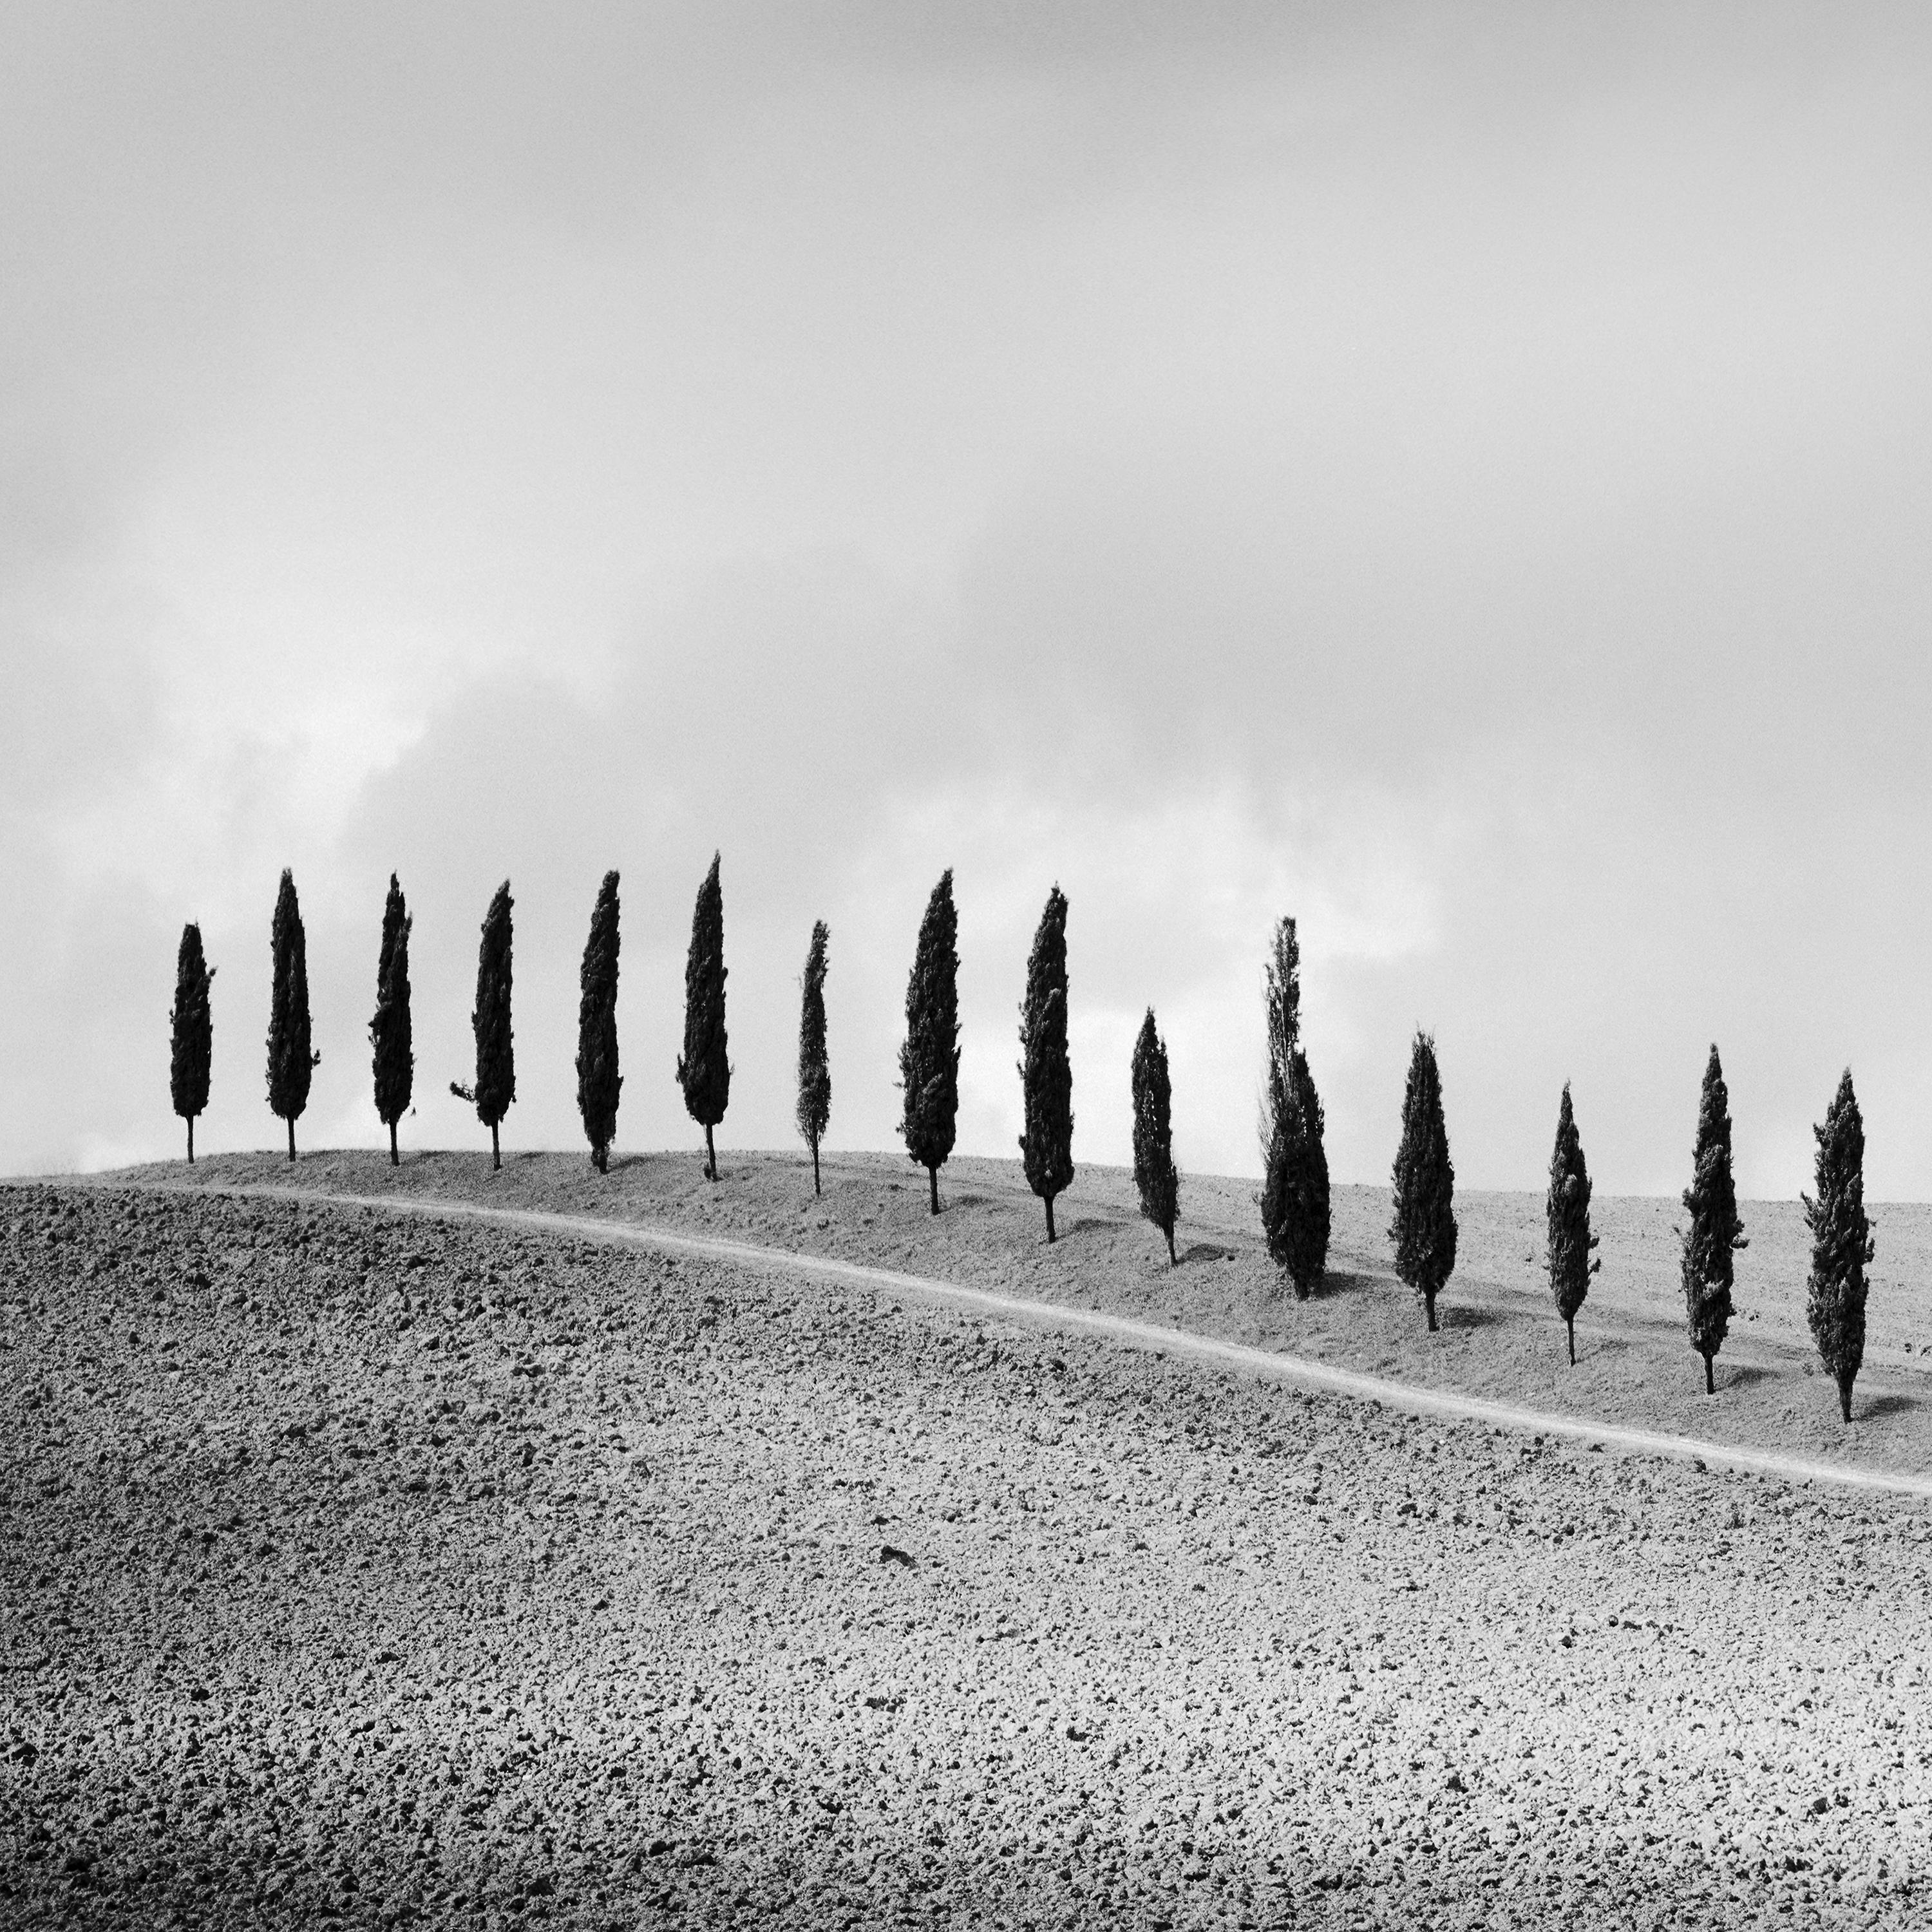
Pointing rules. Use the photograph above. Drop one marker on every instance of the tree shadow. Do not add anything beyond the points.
(1889, 1404)
(1465, 1315)
(1744, 1376)
(1343, 1281)
(1206, 1251)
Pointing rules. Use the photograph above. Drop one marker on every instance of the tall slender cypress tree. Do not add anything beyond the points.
(393, 1059)
(1715, 1231)
(1154, 1173)
(291, 1061)
(1046, 1076)
(929, 1055)
(1282, 1003)
(1841, 1243)
(814, 1066)
(1422, 1229)
(599, 1082)
(1295, 1197)
(1308, 1223)
(1567, 1212)
(495, 1087)
(191, 1029)
(703, 1070)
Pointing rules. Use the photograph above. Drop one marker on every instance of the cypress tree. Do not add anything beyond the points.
(929, 1055)
(394, 1060)
(703, 1070)
(1308, 1218)
(814, 1067)
(1715, 1231)
(291, 1061)
(598, 1082)
(1422, 1229)
(1841, 1243)
(1154, 1174)
(1571, 1264)
(191, 1032)
(1295, 1197)
(495, 1087)
(1046, 1077)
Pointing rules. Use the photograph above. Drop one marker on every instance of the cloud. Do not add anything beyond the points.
(1461, 481)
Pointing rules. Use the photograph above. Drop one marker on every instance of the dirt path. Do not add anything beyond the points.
(1265, 1364)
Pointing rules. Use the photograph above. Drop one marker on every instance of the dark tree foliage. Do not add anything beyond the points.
(929, 1056)
(1282, 999)
(815, 1066)
(703, 1070)
(291, 1061)
(192, 1032)
(1422, 1229)
(1154, 1174)
(1046, 1077)
(599, 1082)
(1571, 1263)
(1715, 1231)
(1841, 1243)
(495, 1087)
(1295, 1196)
(1306, 1227)
(389, 1036)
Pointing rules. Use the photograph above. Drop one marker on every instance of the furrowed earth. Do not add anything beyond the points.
(361, 1566)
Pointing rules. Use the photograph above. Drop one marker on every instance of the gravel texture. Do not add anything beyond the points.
(391, 1572)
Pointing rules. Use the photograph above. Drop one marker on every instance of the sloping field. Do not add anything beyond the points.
(1500, 1339)
(384, 1571)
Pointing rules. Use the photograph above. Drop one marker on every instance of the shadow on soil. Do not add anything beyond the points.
(1461, 1315)
(1205, 1251)
(1338, 1281)
(1890, 1405)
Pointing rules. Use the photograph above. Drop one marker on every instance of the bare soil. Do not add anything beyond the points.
(383, 1571)
(1500, 1339)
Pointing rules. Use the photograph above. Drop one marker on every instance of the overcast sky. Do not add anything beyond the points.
(1460, 475)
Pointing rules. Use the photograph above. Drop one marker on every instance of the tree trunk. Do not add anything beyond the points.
(1570, 1322)
(395, 1159)
(710, 1154)
(932, 1175)
(1049, 1220)
(1429, 1306)
(1172, 1259)
(1845, 1396)
(190, 1140)
(292, 1137)
(815, 1188)
(1710, 1380)
(496, 1152)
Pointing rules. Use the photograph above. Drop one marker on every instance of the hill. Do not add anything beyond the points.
(1500, 1340)
(379, 1571)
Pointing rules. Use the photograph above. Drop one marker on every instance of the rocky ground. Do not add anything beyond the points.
(386, 1572)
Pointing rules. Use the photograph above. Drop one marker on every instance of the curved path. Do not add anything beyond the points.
(1264, 1364)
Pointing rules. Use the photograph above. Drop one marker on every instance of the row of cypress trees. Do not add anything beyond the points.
(1295, 1198)
(704, 1070)
(1423, 1229)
